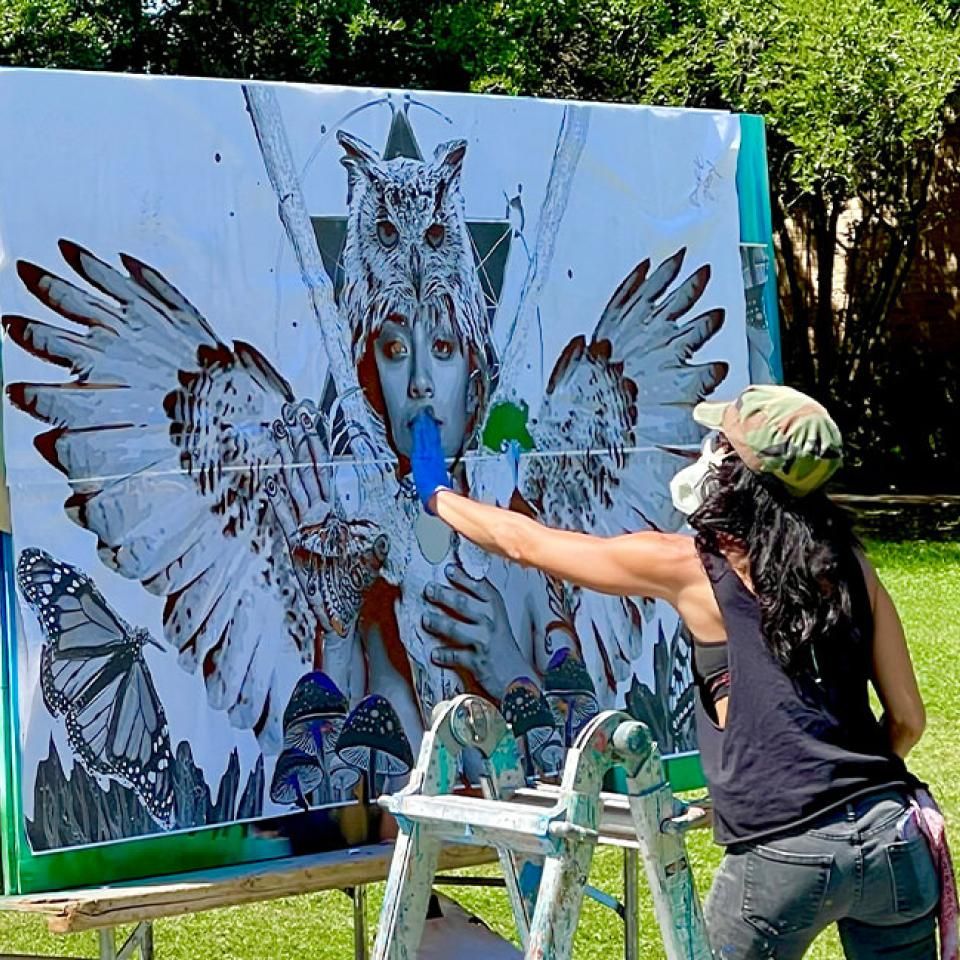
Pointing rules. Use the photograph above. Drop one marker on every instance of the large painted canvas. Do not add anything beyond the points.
(223, 305)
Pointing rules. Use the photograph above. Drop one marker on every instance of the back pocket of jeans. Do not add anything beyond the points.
(916, 886)
(784, 891)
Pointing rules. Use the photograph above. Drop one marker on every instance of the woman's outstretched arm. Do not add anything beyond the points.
(635, 564)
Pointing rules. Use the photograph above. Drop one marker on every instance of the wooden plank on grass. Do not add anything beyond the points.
(72, 911)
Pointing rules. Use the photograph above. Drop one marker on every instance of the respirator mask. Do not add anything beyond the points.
(686, 488)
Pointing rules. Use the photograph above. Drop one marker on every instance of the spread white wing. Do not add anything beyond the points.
(201, 476)
(619, 404)
(611, 432)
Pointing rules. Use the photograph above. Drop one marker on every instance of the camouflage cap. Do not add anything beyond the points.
(779, 430)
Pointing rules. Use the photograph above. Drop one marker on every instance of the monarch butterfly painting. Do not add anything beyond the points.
(93, 673)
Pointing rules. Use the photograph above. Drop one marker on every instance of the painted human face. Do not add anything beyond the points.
(423, 365)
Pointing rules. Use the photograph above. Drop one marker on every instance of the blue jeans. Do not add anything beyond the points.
(865, 867)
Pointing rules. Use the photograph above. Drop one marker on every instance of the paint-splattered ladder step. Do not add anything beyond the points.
(545, 837)
(493, 823)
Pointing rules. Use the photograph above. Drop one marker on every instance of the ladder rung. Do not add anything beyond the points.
(489, 822)
(616, 822)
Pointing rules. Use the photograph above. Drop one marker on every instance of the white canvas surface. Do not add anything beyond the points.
(171, 172)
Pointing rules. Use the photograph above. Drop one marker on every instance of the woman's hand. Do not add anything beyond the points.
(471, 617)
(429, 467)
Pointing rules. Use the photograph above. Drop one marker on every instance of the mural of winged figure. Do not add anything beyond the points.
(611, 432)
(206, 479)
(172, 441)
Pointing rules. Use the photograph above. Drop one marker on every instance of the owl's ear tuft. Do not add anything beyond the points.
(357, 155)
(448, 158)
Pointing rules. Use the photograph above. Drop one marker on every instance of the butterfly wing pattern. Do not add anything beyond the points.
(93, 674)
(202, 477)
(611, 432)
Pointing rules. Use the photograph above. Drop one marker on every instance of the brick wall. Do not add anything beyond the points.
(928, 311)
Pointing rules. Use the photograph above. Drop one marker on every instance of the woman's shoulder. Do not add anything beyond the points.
(675, 548)
(670, 559)
(687, 562)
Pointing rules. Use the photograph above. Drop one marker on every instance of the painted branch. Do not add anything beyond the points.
(566, 157)
(278, 161)
(368, 447)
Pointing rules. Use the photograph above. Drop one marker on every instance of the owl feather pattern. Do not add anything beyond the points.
(186, 459)
(610, 433)
(408, 252)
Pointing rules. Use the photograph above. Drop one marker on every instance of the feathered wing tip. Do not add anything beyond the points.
(619, 398)
(685, 341)
(156, 412)
(155, 283)
(142, 298)
(640, 289)
(64, 297)
(52, 344)
(143, 283)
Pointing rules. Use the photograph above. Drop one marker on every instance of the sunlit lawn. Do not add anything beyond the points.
(924, 579)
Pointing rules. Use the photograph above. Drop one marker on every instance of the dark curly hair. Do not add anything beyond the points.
(799, 551)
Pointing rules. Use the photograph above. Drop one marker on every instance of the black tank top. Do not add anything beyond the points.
(792, 747)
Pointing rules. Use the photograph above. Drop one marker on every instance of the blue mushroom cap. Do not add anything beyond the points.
(373, 726)
(296, 774)
(315, 695)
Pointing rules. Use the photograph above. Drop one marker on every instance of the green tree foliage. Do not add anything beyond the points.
(388, 44)
(587, 49)
(855, 94)
(51, 33)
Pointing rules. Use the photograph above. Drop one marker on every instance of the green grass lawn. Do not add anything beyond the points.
(924, 579)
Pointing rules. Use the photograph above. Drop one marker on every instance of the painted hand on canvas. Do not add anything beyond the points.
(470, 617)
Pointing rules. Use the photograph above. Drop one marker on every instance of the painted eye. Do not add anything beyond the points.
(387, 233)
(435, 234)
(394, 349)
(443, 348)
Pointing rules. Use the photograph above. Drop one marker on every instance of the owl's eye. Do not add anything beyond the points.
(387, 233)
(435, 234)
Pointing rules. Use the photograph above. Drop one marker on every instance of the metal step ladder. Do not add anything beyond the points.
(544, 837)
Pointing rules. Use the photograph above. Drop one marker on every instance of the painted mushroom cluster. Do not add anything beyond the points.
(327, 750)
(531, 720)
(547, 723)
(570, 692)
(373, 741)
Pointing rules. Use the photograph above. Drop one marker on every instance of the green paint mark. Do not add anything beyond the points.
(507, 421)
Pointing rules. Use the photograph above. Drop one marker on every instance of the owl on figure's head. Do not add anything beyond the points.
(408, 257)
